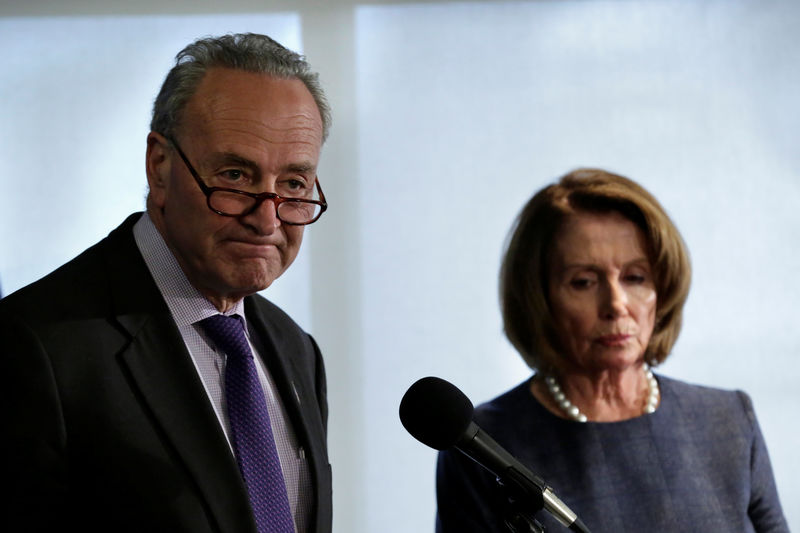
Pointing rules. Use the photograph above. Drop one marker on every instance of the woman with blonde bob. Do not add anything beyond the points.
(592, 289)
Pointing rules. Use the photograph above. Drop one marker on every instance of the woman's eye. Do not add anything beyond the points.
(580, 283)
(635, 278)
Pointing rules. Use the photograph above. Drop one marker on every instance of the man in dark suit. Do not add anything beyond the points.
(117, 408)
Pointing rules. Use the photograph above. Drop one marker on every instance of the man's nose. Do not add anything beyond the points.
(264, 218)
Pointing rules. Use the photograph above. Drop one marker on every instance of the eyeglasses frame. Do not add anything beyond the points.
(258, 197)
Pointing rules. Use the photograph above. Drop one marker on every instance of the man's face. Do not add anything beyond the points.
(240, 130)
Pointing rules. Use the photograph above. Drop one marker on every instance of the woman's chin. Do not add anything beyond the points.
(614, 360)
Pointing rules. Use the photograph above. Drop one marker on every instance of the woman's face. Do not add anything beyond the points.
(602, 293)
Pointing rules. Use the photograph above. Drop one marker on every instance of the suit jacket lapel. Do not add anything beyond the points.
(278, 353)
(161, 368)
(285, 371)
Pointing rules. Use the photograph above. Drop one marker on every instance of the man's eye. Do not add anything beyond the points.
(298, 184)
(294, 187)
(232, 174)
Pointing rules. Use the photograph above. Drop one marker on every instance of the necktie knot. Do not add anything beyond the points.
(227, 332)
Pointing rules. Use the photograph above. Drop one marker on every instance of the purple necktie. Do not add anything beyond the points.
(251, 431)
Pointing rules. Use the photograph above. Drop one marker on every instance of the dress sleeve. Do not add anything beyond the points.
(765, 507)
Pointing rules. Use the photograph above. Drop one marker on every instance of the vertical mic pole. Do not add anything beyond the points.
(516, 520)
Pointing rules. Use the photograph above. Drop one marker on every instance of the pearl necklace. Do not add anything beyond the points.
(572, 411)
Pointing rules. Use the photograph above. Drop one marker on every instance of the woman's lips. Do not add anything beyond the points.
(613, 340)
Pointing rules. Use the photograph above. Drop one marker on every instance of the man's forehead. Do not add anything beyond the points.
(219, 158)
(220, 85)
(235, 99)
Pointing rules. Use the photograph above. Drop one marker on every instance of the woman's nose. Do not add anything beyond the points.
(615, 301)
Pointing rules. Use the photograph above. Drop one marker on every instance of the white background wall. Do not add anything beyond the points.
(447, 117)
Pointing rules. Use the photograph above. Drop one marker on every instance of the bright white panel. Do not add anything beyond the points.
(75, 105)
(466, 109)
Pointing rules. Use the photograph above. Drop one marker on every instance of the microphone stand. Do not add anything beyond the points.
(522, 523)
(517, 519)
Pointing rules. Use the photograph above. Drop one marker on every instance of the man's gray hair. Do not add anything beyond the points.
(243, 51)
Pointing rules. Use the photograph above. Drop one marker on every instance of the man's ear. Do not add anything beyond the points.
(158, 165)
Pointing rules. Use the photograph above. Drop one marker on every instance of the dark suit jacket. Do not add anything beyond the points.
(107, 426)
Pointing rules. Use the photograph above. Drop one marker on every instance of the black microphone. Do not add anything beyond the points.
(439, 415)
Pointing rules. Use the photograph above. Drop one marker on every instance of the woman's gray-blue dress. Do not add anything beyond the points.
(699, 463)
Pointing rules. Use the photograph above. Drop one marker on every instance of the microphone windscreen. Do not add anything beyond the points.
(435, 412)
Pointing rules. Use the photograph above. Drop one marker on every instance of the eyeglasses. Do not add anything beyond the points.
(236, 203)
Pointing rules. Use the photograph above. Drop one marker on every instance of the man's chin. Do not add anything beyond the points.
(250, 284)
(234, 280)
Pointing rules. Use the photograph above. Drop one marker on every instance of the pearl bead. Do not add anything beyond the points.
(572, 411)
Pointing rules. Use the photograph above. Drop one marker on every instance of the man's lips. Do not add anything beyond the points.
(253, 245)
(256, 241)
